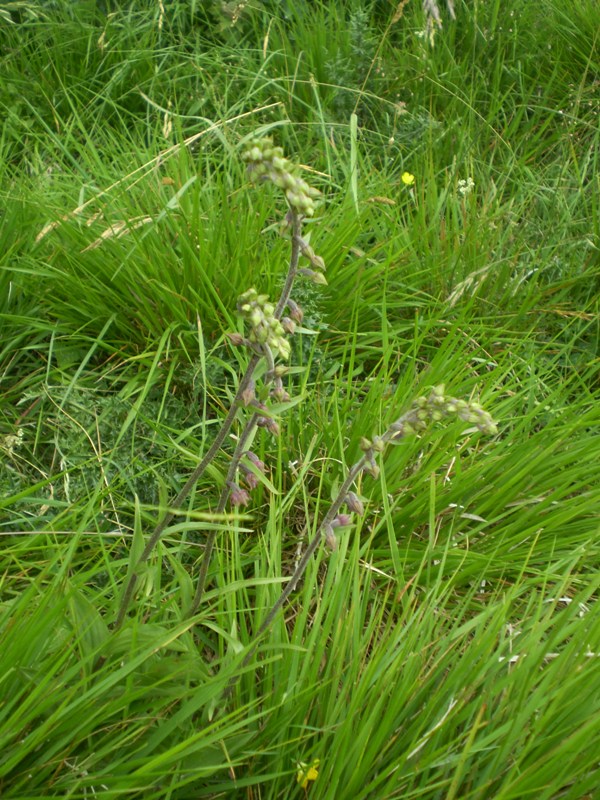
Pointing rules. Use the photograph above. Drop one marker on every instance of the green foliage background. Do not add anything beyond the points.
(448, 648)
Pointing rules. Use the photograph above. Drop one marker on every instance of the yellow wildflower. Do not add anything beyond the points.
(307, 773)
(408, 179)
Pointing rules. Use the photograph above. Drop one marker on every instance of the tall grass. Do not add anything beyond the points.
(449, 647)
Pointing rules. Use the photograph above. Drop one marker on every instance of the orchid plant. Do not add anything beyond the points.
(268, 328)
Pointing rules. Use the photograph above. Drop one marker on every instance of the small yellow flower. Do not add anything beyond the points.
(408, 179)
(307, 773)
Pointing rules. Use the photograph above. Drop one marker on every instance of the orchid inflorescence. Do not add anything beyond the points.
(266, 331)
(268, 326)
(267, 162)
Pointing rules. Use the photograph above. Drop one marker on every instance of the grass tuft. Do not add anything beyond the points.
(449, 646)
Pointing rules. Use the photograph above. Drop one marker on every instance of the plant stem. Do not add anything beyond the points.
(251, 423)
(212, 535)
(216, 445)
(422, 411)
(301, 567)
(186, 489)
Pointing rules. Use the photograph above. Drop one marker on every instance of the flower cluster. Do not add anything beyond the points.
(307, 773)
(437, 406)
(265, 329)
(267, 162)
(465, 187)
(423, 412)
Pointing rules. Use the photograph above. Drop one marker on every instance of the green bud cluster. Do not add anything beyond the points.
(265, 329)
(266, 162)
(437, 406)
(422, 413)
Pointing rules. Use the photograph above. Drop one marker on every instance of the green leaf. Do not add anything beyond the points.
(89, 627)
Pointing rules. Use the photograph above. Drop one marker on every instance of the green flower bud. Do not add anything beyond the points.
(289, 326)
(315, 277)
(248, 395)
(372, 469)
(268, 161)
(284, 349)
(261, 334)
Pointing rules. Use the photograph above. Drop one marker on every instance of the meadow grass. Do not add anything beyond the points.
(448, 648)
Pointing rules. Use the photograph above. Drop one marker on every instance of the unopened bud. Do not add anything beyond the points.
(296, 312)
(273, 427)
(318, 262)
(371, 468)
(248, 394)
(342, 521)
(307, 251)
(354, 503)
(330, 537)
(250, 479)
(316, 277)
(254, 459)
(238, 496)
(378, 444)
(279, 393)
(288, 325)
(236, 339)
(270, 424)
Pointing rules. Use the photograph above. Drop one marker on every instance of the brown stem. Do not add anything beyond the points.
(216, 445)
(184, 492)
(249, 427)
(212, 535)
(301, 567)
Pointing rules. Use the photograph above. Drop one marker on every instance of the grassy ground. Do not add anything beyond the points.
(449, 647)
